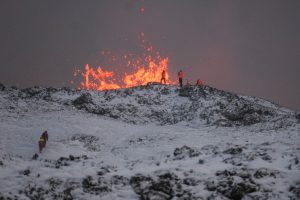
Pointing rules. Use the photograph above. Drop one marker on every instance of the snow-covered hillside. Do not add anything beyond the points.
(148, 142)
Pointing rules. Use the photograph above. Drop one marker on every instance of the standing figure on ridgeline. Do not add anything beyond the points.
(180, 77)
(163, 77)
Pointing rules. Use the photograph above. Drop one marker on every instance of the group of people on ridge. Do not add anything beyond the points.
(180, 78)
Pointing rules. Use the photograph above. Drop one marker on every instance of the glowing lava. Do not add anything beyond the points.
(138, 70)
(98, 79)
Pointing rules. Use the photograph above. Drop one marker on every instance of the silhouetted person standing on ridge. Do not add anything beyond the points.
(163, 77)
(180, 77)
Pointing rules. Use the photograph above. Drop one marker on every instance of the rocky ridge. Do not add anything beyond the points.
(160, 104)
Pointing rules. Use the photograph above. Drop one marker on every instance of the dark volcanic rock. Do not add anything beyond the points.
(95, 187)
(201, 161)
(153, 83)
(103, 171)
(233, 184)
(51, 89)
(296, 191)
(56, 189)
(263, 172)
(85, 102)
(297, 115)
(186, 91)
(140, 183)
(119, 180)
(234, 150)
(34, 192)
(67, 161)
(85, 98)
(242, 112)
(69, 90)
(226, 173)
(89, 141)
(54, 183)
(35, 156)
(165, 91)
(238, 191)
(190, 181)
(39, 93)
(2, 87)
(243, 117)
(31, 92)
(185, 152)
(193, 92)
(14, 87)
(164, 187)
(211, 186)
(26, 172)
(62, 161)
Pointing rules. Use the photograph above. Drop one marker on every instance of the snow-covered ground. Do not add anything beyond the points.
(147, 143)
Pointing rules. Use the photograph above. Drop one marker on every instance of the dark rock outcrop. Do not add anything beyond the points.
(163, 187)
(295, 190)
(234, 150)
(95, 187)
(26, 172)
(185, 152)
(2, 87)
(229, 186)
(85, 102)
(264, 172)
(297, 115)
(89, 141)
(85, 98)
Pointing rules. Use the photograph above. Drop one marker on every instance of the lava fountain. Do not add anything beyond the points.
(140, 70)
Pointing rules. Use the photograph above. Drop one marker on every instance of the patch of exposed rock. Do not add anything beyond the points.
(90, 142)
(85, 102)
(185, 152)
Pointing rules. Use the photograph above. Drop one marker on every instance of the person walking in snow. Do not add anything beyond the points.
(43, 140)
(163, 77)
(180, 77)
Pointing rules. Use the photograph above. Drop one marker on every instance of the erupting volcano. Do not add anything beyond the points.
(140, 70)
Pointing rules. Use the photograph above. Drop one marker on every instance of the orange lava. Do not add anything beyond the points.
(139, 70)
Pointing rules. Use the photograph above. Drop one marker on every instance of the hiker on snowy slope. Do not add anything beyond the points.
(42, 141)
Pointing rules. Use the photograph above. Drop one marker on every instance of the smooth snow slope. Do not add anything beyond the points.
(96, 156)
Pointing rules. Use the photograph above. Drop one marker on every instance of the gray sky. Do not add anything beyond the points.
(248, 47)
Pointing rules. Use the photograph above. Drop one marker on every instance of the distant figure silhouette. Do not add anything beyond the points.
(163, 77)
(180, 77)
(43, 140)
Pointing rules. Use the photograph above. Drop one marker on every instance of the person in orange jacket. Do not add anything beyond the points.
(180, 77)
(163, 77)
